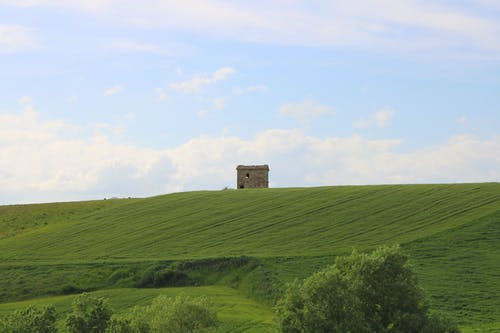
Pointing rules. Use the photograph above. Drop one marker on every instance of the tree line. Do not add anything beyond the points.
(374, 292)
(94, 315)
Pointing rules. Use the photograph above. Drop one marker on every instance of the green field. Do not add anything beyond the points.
(241, 246)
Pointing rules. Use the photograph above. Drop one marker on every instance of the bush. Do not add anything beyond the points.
(169, 315)
(157, 277)
(439, 324)
(69, 289)
(31, 319)
(121, 276)
(89, 315)
(120, 325)
(362, 293)
(181, 314)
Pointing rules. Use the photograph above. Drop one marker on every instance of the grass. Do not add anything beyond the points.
(275, 222)
(451, 231)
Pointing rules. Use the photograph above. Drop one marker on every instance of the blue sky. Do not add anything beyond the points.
(125, 98)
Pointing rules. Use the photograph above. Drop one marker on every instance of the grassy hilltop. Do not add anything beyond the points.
(452, 233)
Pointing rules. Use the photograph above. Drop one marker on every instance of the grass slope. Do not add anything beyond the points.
(451, 231)
(262, 223)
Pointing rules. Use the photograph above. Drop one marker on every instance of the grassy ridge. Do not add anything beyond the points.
(451, 231)
(262, 223)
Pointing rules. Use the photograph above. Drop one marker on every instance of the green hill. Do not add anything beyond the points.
(452, 233)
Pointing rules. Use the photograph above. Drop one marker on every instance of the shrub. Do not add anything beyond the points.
(89, 315)
(182, 314)
(139, 319)
(69, 289)
(31, 319)
(119, 325)
(362, 293)
(120, 275)
(440, 324)
(157, 277)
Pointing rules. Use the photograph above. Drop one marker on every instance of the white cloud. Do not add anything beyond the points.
(92, 6)
(220, 103)
(130, 46)
(222, 73)
(162, 95)
(200, 80)
(462, 119)
(383, 118)
(114, 90)
(363, 123)
(380, 119)
(251, 89)
(202, 113)
(416, 27)
(44, 160)
(17, 38)
(25, 101)
(305, 110)
(129, 116)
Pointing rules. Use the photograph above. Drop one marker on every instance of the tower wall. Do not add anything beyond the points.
(252, 176)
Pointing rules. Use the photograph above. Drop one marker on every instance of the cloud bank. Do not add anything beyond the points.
(44, 161)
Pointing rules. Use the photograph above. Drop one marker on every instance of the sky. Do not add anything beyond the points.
(121, 98)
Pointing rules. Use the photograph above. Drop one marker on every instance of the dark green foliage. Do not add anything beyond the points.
(262, 284)
(89, 315)
(31, 319)
(436, 323)
(120, 325)
(122, 277)
(28, 281)
(70, 289)
(222, 264)
(157, 277)
(360, 293)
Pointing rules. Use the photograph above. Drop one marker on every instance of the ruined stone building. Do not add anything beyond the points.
(252, 176)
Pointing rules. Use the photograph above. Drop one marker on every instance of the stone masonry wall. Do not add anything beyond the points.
(252, 176)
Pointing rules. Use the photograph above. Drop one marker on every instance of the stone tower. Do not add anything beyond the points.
(252, 176)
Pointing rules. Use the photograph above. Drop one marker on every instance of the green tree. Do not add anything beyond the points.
(31, 319)
(360, 293)
(120, 325)
(182, 314)
(139, 318)
(89, 315)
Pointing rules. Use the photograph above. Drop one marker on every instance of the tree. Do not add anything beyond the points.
(139, 319)
(31, 319)
(360, 293)
(181, 314)
(120, 325)
(89, 315)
